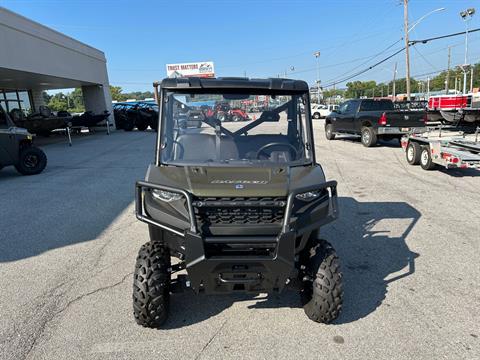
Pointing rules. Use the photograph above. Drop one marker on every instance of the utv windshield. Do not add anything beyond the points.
(234, 129)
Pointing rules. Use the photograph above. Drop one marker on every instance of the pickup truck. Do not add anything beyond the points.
(372, 119)
(322, 111)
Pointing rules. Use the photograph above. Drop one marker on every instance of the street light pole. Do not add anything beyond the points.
(466, 16)
(317, 56)
(407, 42)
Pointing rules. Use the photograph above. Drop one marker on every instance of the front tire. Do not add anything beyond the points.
(222, 117)
(329, 134)
(32, 161)
(369, 137)
(316, 115)
(151, 285)
(413, 153)
(322, 291)
(426, 161)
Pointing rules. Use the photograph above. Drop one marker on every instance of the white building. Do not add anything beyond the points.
(34, 58)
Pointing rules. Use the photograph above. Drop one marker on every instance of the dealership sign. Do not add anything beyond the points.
(198, 69)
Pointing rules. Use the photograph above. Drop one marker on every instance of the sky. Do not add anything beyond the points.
(259, 38)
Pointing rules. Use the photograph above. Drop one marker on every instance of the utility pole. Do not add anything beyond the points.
(394, 79)
(407, 46)
(428, 87)
(317, 56)
(447, 79)
(471, 79)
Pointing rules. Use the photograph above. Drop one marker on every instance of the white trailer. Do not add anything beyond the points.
(447, 146)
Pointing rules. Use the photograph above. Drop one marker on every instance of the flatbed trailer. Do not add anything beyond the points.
(447, 146)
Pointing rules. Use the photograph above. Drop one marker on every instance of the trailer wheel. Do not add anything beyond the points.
(151, 283)
(322, 290)
(413, 153)
(329, 134)
(369, 138)
(426, 159)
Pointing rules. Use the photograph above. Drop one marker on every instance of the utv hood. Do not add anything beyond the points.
(235, 181)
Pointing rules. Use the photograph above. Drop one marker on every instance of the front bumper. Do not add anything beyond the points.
(222, 264)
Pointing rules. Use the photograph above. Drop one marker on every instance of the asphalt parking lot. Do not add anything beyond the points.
(408, 241)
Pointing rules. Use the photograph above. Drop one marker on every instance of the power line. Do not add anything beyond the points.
(423, 57)
(364, 70)
(424, 41)
(365, 62)
(410, 43)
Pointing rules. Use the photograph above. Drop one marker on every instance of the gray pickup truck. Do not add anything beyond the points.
(372, 119)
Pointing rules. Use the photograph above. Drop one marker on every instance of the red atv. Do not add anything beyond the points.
(225, 113)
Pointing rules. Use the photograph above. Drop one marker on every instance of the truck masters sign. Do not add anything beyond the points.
(198, 69)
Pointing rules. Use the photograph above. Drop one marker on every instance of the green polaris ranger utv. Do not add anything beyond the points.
(239, 204)
(16, 148)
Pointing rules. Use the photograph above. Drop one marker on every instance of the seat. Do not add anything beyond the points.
(228, 149)
(202, 147)
(45, 111)
(17, 115)
(194, 147)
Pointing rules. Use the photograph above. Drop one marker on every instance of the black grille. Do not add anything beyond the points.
(239, 211)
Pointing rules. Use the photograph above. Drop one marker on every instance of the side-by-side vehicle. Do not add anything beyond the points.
(238, 204)
(16, 148)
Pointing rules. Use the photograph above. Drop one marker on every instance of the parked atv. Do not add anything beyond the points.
(226, 113)
(240, 208)
(132, 115)
(149, 113)
(16, 148)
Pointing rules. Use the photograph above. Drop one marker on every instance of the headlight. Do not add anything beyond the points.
(166, 196)
(309, 195)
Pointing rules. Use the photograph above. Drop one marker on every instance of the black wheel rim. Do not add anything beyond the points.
(31, 161)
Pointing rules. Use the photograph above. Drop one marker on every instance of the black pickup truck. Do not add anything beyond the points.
(372, 119)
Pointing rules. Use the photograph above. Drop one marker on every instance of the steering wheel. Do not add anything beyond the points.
(257, 155)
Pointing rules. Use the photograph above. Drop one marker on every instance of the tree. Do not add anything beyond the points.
(72, 102)
(58, 102)
(116, 92)
(358, 89)
(333, 93)
(75, 101)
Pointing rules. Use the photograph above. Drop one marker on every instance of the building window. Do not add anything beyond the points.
(16, 99)
(24, 99)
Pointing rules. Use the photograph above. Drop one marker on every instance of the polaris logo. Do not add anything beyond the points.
(239, 182)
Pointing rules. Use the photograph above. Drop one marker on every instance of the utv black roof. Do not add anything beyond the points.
(276, 85)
